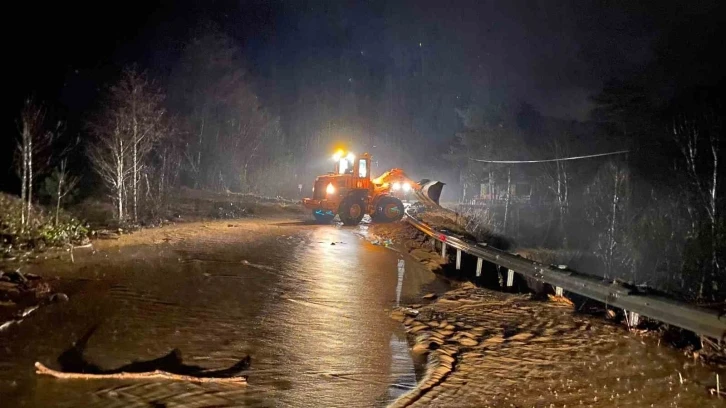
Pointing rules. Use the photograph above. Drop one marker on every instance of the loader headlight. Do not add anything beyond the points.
(330, 189)
(396, 186)
(407, 187)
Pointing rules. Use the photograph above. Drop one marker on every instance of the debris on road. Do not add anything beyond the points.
(480, 344)
(21, 294)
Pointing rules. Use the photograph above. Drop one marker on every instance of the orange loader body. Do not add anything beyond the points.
(350, 193)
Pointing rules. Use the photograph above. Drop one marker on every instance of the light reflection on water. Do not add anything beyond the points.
(403, 374)
(347, 332)
(313, 316)
(399, 285)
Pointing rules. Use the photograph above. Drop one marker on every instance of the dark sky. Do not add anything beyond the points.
(552, 54)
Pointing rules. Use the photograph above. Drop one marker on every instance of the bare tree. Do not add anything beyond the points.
(125, 132)
(33, 151)
(66, 184)
(227, 127)
(193, 153)
(558, 182)
(507, 198)
(162, 170)
(144, 113)
(271, 164)
(607, 211)
(699, 140)
(109, 156)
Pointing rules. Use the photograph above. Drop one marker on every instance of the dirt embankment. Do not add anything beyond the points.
(197, 204)
(188, 205)
(492, 349)
(205, 213)
(488, 348)
(95, 219)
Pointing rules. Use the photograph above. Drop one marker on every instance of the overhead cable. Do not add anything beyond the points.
(550, 160)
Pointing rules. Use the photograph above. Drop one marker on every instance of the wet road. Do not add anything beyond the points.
(309, 304)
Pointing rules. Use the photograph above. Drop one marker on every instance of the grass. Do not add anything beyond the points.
(41, 230)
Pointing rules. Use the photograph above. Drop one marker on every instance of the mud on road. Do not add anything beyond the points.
(308, 303)
(492, 349)
(311, 306)
(487, 348)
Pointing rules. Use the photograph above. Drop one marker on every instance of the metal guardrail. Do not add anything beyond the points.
(700, 321)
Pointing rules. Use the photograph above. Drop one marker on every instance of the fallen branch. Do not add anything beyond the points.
(156, 374)
(560, 299)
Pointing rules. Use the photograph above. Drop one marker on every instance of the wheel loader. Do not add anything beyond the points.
(350, 193)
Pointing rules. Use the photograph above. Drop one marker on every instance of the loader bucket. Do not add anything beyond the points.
(430, 191)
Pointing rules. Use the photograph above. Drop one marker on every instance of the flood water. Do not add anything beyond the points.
(309, 304)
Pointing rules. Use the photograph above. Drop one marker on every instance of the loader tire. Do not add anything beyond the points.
(388, 209)
(351, 210)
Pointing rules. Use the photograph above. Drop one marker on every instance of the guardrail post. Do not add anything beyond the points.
(479, 263)
(443, 250)
(458, 259)
(510, 277)
(559, 291)
(632, 318)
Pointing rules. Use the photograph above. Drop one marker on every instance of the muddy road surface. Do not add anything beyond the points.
(310, 305)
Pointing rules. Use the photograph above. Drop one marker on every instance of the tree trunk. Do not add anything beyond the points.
(559, 202)
(613, 226)
(563, 199)
(714, 218)
(135, 160)
(506, 202)
(245, 187)
(24, 177)
(58, 197)
(198, 176)
(30, 177)
(120, 180)
(134, 185)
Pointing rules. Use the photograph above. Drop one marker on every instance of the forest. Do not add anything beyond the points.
(651, 215)
(648, 215)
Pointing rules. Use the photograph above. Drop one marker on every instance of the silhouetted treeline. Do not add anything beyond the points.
(653, 216)
(401, 86)
(201, 126)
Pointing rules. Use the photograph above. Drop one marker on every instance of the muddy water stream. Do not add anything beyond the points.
(307, 303)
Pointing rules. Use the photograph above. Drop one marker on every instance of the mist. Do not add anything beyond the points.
(253, 97)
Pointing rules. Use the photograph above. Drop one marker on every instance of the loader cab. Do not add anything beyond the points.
(349, 164)
(362, 167)
(351, 172)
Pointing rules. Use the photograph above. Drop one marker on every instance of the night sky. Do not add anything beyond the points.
(552, 54)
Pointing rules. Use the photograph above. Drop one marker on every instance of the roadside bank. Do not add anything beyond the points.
(485, 347)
